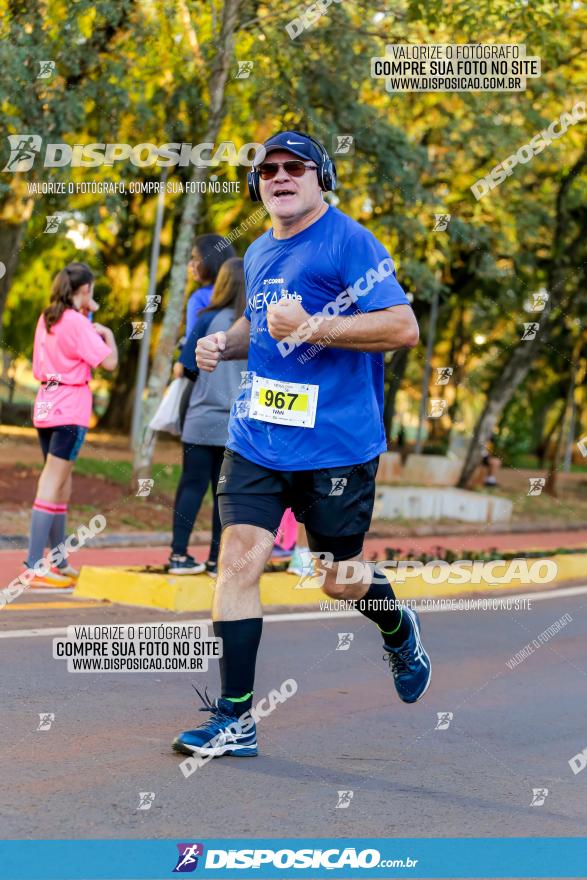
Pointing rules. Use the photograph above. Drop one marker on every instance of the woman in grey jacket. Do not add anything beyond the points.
(205, 428)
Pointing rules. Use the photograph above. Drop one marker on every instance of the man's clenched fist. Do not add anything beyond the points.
(209, 351)
(285, 317)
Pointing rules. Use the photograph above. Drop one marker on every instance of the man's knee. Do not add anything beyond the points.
(347, 579)
(334, 585)
(334, 590)
(243, 551)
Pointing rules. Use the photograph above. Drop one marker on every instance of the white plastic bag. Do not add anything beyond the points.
(168, 415)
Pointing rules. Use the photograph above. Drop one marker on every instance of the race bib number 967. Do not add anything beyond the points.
(283, 403)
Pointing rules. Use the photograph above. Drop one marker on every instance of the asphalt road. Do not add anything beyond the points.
(512, 730)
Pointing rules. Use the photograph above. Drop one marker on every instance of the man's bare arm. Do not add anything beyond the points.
(384, 330)
(237, 340)
(221, 346)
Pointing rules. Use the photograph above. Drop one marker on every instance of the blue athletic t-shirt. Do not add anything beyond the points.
(199, 299)
(332, 255)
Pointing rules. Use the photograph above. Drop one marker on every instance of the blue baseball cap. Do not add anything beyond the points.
(292, 141)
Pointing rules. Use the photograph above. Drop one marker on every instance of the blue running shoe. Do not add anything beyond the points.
(410, 664)
(222, 734)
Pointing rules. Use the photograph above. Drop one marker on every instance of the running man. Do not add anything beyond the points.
(306, 431)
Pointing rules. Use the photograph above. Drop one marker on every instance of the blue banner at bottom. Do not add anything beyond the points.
(281, 858)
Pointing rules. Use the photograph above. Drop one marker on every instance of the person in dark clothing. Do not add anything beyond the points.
(209, 253)
(205, 427)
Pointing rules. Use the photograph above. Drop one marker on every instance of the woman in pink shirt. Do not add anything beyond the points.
(67, 347)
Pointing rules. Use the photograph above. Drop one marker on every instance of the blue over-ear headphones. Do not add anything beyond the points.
(325, 171)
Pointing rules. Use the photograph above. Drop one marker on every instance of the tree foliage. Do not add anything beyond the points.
(136, 71)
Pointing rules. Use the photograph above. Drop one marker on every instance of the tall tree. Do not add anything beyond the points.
(167, 340)
(565, 247)
(77, 40)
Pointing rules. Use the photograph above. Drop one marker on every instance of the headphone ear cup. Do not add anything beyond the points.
(253, 185)
(328, 175)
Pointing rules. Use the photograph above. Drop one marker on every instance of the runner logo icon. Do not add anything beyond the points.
(53, 381)
(537, 484)
(188, 857)
(244, 69)
(344, 144)
(23, 151)
(52, 223)
(344, 641)
(46, 69)
(146, 799)
(530, 331)
(344, 800)
(444, 719)
(317, 578)
(441, 222)
(46, 719)
(539, 795)
(443, 375)
(338, 485)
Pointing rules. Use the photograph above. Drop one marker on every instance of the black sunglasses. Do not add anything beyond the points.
(294, 167)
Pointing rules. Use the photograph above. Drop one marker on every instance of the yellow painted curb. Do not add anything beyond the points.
(571, 567)
(132, 586)
(129, 586)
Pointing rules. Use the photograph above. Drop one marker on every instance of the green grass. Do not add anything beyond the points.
(113, 471)
(133, 523)
(166, 476)
(530, 462)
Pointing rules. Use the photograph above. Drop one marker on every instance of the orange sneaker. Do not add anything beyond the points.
(55, 581)
(66, 571)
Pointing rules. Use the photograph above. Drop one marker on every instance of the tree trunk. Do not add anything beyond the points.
(458, 357)
(519, 363)
(427, 367)
(395, 373)
(118, 414)
(568, 457)
(551, 485)
(161, 368)
(539, 415)
(500, 394)
(544, 445)
(15, 212)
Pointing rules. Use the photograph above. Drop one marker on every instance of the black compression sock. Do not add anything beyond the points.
(395, 637)
(380, 605)
(240, 641)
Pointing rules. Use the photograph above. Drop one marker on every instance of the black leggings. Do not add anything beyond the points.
(201, 466)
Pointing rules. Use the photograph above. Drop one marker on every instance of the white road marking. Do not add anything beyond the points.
(49, 591)
(30, 633)
(565, 593)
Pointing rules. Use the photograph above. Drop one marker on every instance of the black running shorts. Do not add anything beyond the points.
(335, 504)
(63, 441)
